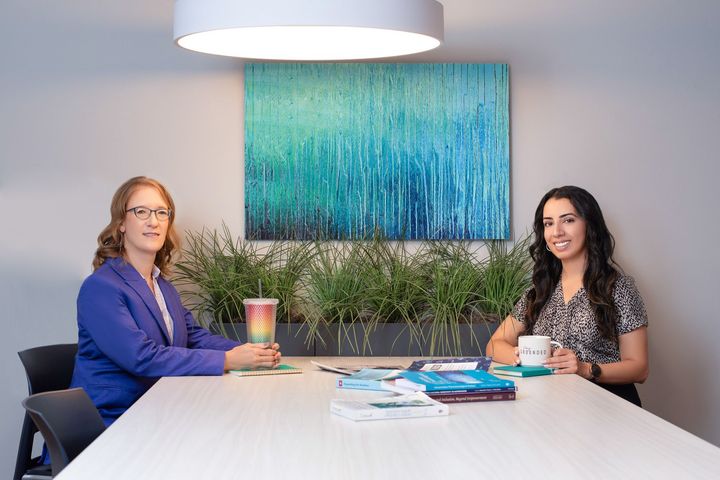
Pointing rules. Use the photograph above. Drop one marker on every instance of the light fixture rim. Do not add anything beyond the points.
(429, 43)
(195, 17)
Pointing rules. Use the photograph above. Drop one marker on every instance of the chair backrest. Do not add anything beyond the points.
(68, 421)
(47, 368)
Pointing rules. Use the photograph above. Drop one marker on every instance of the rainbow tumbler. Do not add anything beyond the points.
(260, 318)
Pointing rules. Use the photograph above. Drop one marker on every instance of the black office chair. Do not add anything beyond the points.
(47, 368)
(68, 421)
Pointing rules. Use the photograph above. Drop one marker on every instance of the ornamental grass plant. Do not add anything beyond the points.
(217, 272)
(394, 290)
(346, 293)
(453, 276)
(506, 276)
(335, 292)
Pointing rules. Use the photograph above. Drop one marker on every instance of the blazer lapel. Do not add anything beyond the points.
(133, 278)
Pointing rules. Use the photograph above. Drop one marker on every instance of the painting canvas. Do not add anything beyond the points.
(345, 151)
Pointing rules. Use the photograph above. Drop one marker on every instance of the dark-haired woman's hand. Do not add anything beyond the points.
(563, 360)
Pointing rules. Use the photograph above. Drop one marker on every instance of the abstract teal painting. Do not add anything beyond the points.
(341, 151)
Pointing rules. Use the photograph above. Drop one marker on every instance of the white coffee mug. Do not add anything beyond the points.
(535, 349)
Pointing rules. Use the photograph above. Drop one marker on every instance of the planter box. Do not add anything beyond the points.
(388, 339)
(393, 339)
(290, 336)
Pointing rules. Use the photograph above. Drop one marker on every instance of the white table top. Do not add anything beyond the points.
(280, 427)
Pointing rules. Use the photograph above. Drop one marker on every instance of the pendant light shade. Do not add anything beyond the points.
(308, 29)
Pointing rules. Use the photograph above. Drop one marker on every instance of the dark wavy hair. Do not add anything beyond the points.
(601, 273)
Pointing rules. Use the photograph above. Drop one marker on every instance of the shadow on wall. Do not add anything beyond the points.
(672, 388)
(38, 309)
(109, 47)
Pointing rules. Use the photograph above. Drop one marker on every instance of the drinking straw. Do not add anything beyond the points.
(260, 288)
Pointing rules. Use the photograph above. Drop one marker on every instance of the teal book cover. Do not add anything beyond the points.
(522, 371)
(367, 379)
(452, 380)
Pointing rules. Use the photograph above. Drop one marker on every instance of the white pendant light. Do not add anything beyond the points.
(308, 29)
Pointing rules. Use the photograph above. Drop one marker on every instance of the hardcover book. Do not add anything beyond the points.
(468, 380)
(522, 371)
(392, 386)
(476, 396)
(279, 370)
(448, 364)
(415, 404)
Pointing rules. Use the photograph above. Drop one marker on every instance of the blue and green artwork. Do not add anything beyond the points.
(343, 151)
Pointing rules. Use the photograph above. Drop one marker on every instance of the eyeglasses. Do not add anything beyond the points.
(143, 213)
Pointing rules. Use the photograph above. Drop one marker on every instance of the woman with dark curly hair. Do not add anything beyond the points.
(579, 298)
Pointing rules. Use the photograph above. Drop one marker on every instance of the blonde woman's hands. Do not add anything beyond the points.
(253, 355)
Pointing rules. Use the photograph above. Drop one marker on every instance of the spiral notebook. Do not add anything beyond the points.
(280, 370)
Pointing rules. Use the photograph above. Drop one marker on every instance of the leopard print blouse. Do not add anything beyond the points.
(573, 324)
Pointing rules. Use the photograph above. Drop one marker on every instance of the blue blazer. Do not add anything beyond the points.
(123, 346)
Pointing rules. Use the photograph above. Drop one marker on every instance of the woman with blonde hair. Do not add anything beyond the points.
(132, 326)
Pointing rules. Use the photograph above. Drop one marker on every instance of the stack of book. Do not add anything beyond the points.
(448, 380)
(458, 386)
(425, 387)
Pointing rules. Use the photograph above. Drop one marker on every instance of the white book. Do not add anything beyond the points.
(332, 368)
(350, 369)
(415, 404)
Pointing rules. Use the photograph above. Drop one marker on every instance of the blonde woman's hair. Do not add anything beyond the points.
(110, 240)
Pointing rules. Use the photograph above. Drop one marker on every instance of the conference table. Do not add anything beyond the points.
(280, 427)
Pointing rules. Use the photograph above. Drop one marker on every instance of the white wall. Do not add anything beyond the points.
(619, 97)
(92, 93)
